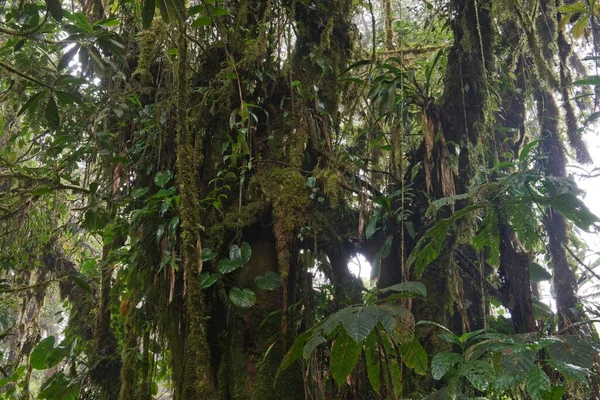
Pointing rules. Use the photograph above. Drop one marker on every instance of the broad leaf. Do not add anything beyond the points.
(360, 322)
(269, 281)
(415, 356)
(345, 353)
(311, 345)
(162, 178)
(537, 382)
(410, 289)
(51, 113)
(246, 253)
(245, 298)
(207, 279)
(226, 266)
(373, 358)
(441, 364)
(55, 9)
(208, 254)
(539, 273)
(148, 13)
(41, 351)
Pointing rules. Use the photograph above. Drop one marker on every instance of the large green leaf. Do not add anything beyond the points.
(442, 362)
(311, 345)
(269, 281)
(55, 9)
(415, 356)
(41, 351)
(397, 321)
(572, 350)
(409, 289)
(295, 352)
(207, 279)
(360, 322)
(539, 273)
(148, 13)
(537, 382)
(226, 266)
(162, 178)
(46, 356)
(374, 361)
(243, 298)
(480, 373)
(570, 371)
(345, 353)
(245, 253)
(59, 387)
(51, 113)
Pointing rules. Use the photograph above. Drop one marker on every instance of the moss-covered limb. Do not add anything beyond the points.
(514, 270)
(129, 371)
(465, 112)
(571, 122)
(107, 360)
(564, 279)
(197, 380)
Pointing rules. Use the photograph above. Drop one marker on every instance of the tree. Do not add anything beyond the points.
(188, 182)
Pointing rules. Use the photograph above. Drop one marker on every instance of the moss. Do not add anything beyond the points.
(150, 42)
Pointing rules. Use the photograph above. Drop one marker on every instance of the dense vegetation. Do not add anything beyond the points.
(183, 186)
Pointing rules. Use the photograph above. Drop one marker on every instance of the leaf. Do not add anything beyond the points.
(373, 359)
(218, 12)
(590, 80)
(164, 11)
(294, 353)
(43, 349)
(162, 178)
(397, 321)
(207, 279)
(415, 356)
(59, 387)
(208, 254)
(226, 266)
(65, 98)
(580, 25)
(569, 371)
(579, 7)
(480, 373)
(32, 103)
(148, 13)
(269, 281)
(345, 353)
(572, 350)
(55, 9)
(527, 149)
(442, 362)
(245, 298)
(538, 273)
(410, 289)
(67, 58)
(51, 114)
(202, 21)
(556, 393)
(360, 322)
(537, 382)
(430, 245)
(139, 192)
(79, 281)
(40, 191)
(372, 225)
(235, 253)
(246, 253)
(311, 345)
(573, 209)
